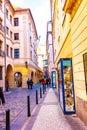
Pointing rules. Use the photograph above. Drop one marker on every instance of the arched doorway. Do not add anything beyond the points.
(32, 74)
(10, 75)
(18, 79)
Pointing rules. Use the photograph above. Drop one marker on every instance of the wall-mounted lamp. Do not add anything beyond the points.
(26, 64)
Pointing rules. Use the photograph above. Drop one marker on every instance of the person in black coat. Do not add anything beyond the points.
(31, 83)
(47, 82)
(28, 83)
(7, 85)
(2, 96)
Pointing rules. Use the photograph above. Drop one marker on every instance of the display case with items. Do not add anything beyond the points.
(65, 86)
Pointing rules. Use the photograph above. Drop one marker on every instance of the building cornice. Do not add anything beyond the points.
(76, 6)
(71, 6)
(68, 6)
(7, 2)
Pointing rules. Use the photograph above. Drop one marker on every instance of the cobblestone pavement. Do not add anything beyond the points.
(16, 102)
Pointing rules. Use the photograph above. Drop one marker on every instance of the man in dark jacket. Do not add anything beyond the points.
(31, 83)
(2, 96)
(7, 85)
(28, 83)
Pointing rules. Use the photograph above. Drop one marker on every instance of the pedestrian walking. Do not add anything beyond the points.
(28, 83)
(43, 83)
(7, 85)
(2, 98)
(31, 83)
(47, 82)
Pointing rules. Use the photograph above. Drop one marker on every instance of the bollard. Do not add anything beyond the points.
(36, 97)
(8, 119)
(28, 106)
(40, 93)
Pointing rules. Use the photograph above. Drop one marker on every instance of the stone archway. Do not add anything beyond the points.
(10, 76)
(18, 79)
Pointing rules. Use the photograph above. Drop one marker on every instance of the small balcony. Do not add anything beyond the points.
(1, 27)
(1, 53)
(68, 6)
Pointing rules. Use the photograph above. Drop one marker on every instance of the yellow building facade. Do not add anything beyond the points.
(70, 32)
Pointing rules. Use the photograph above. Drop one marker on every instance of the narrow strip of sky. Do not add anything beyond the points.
(40, 10)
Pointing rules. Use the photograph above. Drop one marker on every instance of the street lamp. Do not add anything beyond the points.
(26, 64)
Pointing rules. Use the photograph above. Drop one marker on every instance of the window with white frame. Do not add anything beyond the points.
(7, 13)
(7, 50)
(16, 22)
(16, 36)
(31, 55)
(11, 52)
(30, 41)
(16, 53)
(10, 34)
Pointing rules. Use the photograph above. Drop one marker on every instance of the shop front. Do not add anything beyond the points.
(66, 86)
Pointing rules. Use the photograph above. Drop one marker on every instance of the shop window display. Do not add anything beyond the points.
(65, 85)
